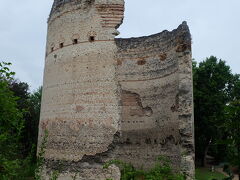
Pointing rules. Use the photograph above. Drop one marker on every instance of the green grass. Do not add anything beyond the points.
(206, 174)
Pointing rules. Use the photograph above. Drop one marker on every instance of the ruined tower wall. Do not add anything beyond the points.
(155, 77)
(106, 98)
(148, 71)
(80, 104)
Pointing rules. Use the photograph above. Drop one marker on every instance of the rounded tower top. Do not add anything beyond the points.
(80, 21)
(58, 4)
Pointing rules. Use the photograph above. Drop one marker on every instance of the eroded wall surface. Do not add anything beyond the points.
(106, 98)
(155, 76)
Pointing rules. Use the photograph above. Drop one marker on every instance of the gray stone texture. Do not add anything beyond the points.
(106, 98)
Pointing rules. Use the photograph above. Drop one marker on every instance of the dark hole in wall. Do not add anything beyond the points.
(61, 45)
(119, 62)
(148, 141)
(91, 38)
(75, 41)
(52, 49)
(163, 56)
(128, 141)
(141, 62)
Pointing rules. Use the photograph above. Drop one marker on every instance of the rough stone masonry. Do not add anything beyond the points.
(107, 98)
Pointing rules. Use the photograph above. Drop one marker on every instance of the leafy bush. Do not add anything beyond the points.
(161, 171)
(11, 125)
(17, 161)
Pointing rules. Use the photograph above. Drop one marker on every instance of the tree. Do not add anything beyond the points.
(29, 104)
(232, 127)
(19, 117)
(11, 125)
(212, 82)
(34, 112)
(21, 90)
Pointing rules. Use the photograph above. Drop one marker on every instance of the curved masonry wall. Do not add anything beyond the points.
(148, 75)
(155, 76)
(106, 98)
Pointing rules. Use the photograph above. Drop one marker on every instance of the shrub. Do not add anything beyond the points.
(161, 171)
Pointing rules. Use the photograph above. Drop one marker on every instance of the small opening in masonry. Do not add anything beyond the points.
(61, 45)
(52, 49)
(91, 38)
(75, 41)
(141, 62)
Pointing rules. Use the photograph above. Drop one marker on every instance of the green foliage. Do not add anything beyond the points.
(5, 73)
(206, 174)
(232, 130)
(213, 88)
(29, 104)
(19, 116)
(217, 111)
(32, 120)
(161, 171)
(54, 175)
(11, 125)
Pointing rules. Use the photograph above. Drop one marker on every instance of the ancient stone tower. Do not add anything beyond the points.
(107, 98)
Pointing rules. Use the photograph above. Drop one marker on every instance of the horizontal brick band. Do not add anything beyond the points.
(76, 44)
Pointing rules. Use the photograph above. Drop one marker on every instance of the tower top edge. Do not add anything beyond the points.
(57, 4)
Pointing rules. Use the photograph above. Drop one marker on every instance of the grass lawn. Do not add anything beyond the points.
(206, 174)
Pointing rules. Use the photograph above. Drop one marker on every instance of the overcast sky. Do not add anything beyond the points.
(214, 24)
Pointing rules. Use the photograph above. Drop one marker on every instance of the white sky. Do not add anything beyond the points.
(214, 24)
